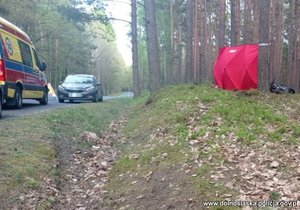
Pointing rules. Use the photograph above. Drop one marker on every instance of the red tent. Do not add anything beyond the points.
(236, 67)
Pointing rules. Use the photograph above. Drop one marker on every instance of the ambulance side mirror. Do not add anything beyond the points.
(43, 67)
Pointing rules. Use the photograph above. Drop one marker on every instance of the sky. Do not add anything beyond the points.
(120, 9)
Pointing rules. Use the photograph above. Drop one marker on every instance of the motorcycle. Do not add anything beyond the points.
(280, 88)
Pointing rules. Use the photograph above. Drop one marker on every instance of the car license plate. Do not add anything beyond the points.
(75, 95)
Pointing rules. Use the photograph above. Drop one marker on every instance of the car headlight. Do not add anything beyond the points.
(61, 88)
(89, 88)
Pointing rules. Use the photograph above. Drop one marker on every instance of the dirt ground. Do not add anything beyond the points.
(83, 177)
(83, 173)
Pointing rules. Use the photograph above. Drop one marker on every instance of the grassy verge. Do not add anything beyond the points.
(181, 140)
(27, 153)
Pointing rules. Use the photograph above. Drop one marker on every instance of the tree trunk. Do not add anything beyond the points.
(222, 23)
(276, 40)
(209, 49)
(203, 40)
(135, 63)
(255, 38)
(248, 23)
(196, 42)
(172, 41)
(264, 51)
(152, 45)
(235, 22)
(189, 41)
(297, 86)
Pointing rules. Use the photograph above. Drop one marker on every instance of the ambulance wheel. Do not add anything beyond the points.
(18, 98)
(44, 100)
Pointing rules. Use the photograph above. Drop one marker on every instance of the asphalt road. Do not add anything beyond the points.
(33, 107)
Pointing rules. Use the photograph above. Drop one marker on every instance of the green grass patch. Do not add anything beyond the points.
(27, 145)
(191, 112)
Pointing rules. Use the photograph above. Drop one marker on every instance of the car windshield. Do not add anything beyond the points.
(78, 80)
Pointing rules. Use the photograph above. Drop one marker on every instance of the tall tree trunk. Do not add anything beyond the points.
(222, 23)
(248, 23)
(203, 41)
(291, 70)
(297, 87)
(235, 22)
(255, 38)
(172, 47)
(276, 40)
(293, 74)
(152, 45)
(189, 41)
(179, 56)
(196, 42)
(264, 51)
(135, 63)
(209, 49)
(177, 44)
(57, 74)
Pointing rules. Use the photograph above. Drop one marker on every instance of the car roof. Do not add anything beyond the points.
(81, 75)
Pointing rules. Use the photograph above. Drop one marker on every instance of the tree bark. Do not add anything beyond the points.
(276, 40)
(248, 23)
(152, 45)
(135, 63)
(264, 51)
(203, 40)
(222, 23)
(196, 42)
(297, 86)
(235, 22)
(255, 38)
(189, 41)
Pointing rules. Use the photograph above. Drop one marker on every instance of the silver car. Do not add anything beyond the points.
(80, 87)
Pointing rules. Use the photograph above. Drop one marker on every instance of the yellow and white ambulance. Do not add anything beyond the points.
(21, 72)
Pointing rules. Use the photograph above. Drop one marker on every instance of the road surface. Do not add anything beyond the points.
(32, 107)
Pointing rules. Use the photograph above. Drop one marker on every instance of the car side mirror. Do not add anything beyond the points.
(60, 83)
(98, 84)
(43, 67)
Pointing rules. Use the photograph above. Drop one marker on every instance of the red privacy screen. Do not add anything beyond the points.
(236, 67)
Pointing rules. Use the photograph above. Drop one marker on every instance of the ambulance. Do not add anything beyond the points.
(21, 72)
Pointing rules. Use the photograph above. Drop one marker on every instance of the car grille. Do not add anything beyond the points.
(74, 91)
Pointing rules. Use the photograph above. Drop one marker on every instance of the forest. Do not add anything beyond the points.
(189, 34)
(71, 37)
(173, 41)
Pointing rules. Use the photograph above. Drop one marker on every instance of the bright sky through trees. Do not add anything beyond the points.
(121, 10)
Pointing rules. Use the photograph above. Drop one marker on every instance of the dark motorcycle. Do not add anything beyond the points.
(279, 88)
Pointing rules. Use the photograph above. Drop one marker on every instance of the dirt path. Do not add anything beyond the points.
(83, 173)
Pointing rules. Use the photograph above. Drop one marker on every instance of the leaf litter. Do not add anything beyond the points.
(267, 171)
(86, 177)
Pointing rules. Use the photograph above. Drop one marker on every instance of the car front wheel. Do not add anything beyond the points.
(101, 99)
(96, 99)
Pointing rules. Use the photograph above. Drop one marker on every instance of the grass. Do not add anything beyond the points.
(27, 151)
(165, 122)
(159, 162)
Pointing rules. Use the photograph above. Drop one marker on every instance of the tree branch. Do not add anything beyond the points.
(117, 19)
